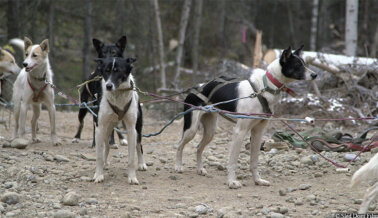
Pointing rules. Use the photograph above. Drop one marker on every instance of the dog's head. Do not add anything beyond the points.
(110, 50)
(7, 63)
(115, 71)
(294, 67)
(35, 55)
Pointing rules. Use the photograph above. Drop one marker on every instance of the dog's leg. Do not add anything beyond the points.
(17, 105)
(187, 136)
(95, 124)
(370, 195)
(22, 119)
(100, 152)
(107, 145)
(240, 130)
(81, 116)
(209, 125)
(51, 109)
(132, 138)
(122, 140)
(256, 134)
(36, 113)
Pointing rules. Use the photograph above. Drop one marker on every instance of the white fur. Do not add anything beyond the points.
(243, 127)
(368, 172)
(107, 120)
(23, 95)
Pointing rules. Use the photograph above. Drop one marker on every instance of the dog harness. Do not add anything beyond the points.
(120, 113)
(36, 93)
(277, 83)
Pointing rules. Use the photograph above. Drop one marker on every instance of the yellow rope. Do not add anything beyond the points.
(85, 83)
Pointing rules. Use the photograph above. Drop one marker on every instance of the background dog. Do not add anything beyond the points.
(93, 90)
(31, 88)
(288, 68)
(368, 172)
(119, 102)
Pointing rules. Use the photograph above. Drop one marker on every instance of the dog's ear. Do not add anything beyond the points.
(121, 43)
(97, 44)
(285, 55)
(45, 45)
(27, 43)
(299, 50)
(130, 60)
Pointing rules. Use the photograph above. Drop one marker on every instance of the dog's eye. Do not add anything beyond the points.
(26, 54)
(34, 55)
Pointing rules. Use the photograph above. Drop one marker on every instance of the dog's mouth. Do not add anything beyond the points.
(28, 69)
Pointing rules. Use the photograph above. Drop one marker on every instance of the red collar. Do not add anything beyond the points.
(280, 85)
(36, 95)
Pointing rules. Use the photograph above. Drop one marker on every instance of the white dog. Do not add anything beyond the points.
(31, 88)
(368, 172)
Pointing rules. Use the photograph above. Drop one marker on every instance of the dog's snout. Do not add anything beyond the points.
(25, 64)
(313, 75)
(109, 86)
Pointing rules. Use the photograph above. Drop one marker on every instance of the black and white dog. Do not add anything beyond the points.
(93, 89)
(288, 68)
(120, 102)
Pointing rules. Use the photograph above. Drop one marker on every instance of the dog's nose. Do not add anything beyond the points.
(25, 64)
(314, 75)
(109, 86)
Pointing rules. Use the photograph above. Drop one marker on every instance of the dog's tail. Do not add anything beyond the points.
(18, 43)
(367, 172)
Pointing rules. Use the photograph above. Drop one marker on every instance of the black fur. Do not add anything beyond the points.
(95, 89)
(292, 64)
(227, 92)
(139, 124)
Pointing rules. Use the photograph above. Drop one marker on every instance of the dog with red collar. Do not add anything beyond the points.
(31, 88)
(266, 85)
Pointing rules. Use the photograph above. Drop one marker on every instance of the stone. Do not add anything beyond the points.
(310, 197)
(150, 163)
(349, 157)
(374, 150)
(304, 186)
(19, 143)
(71, 199)
(276, 215)
(223, 212)
(91, 201)
(201, 209)
(61, 158)
(10, 198)
(163, 161)
(282, 192)
(298, 201)
(83, 212)
(13, 213)
(64, 214)
(357, 201)
(283, 210)
(307, 160)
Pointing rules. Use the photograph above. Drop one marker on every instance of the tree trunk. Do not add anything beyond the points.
(375, 43)
(221, 27)
(314, 24)
(351, 27)
(51, 30)
(197, 28)
(13, 19)
(87, 39)
(183, 24)
(161, 45)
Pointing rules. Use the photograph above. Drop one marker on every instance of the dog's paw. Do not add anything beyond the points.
(98, 178)
(202, 172)
(75, 140)
(123, 142)
(142, 167)
(179, 168)
(234, 184)
(36, 140)
(262, 182)
(133, 181)
(106, 165)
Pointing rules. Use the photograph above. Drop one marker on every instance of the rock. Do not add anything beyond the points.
(9, 185)
(2, 210)
(310, 197)
(150, 163)
(265, 211)
(88, 157)
(224, 212)
(349, 157)
(282, 192)
(126, 215)
(48, 157)
(64, 214)
(298, 202)
(276, 215)
(61, 158)
(373, 150)
(91, 201)
(83, 212)
(314, 212)
(71, 199)
(10, 198)
(315, 158)
(174, 177)
(163, 161)
(19, 143)
(304, 186)
(307, 160)
(201, 209)
(13, 213)
(221, 167)
(283, 210)
(357, 201)
(212, 158)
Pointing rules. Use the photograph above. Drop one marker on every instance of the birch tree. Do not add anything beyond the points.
(314, 24)
(197, 28)
(180, 48)
(161, 45)
(351, 27)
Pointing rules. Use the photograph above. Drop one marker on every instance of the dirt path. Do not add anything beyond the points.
(41, 184)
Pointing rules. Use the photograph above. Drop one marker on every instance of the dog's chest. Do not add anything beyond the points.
(118, 98)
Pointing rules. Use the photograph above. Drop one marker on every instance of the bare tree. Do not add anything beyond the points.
(314, 24)
(197, 28)
(161, 45)
(51, 29)
(13, 19)
(87, 39)
(183, 24)
(351, 27)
